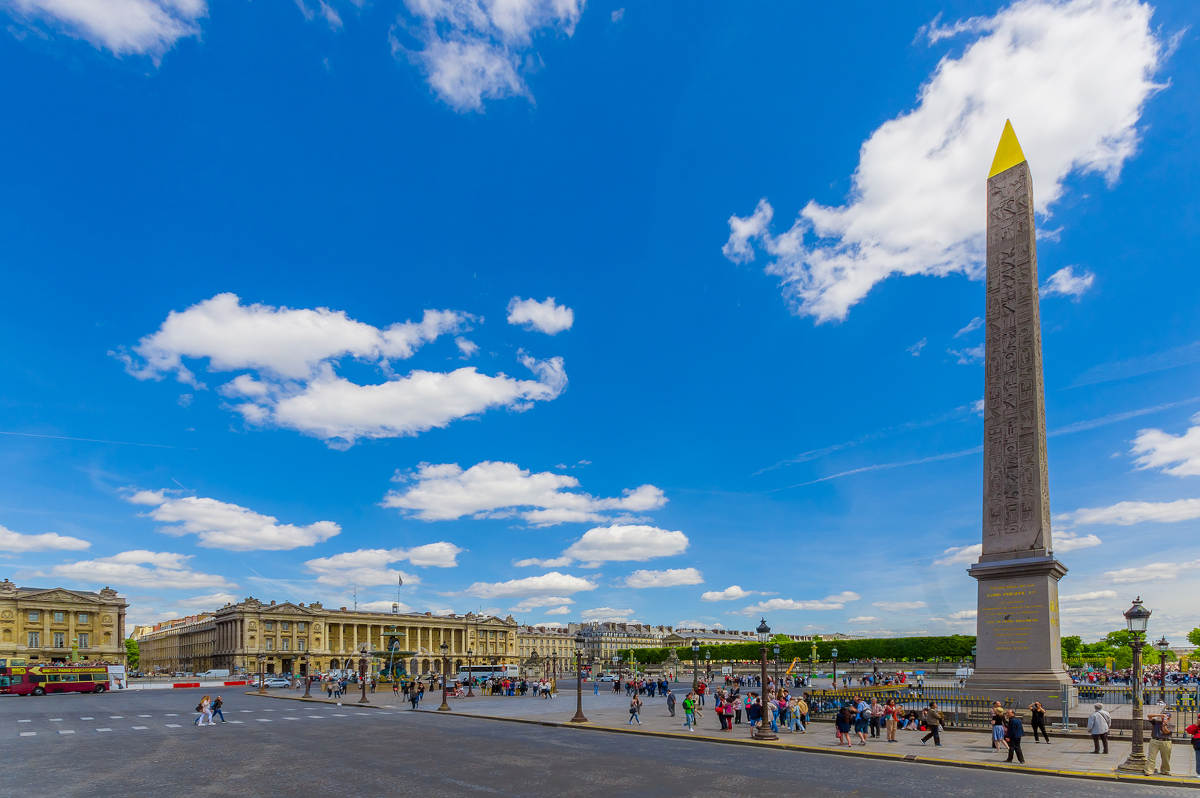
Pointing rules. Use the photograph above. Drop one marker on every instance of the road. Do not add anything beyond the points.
(144, 743)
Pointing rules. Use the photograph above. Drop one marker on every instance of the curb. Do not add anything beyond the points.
(314, 700)
(1165, 781)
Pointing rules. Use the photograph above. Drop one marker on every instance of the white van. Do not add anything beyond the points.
(215, 673)
(964, 673)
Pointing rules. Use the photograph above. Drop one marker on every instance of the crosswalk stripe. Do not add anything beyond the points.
(145, 716)
(287, 718)
(115, 717)
(29, 734)
(235, 721)
(263, 720)
(318, 717)
(87, 718)
(66, 731)
(172, 725)
(103, 730)
(25, 721)
(172, 714)
(139, 728)
(55, 720)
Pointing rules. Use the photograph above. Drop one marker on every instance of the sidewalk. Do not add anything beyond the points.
(1065, 756)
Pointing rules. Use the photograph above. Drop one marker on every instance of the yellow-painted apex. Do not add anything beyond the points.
(1008, 153)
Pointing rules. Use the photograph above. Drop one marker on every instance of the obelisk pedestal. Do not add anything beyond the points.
(1018, 653)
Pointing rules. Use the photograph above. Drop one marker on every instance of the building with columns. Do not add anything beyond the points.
(284, 634)
(45, 625)
(551, 648)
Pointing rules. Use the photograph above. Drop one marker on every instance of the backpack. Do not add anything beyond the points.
(199, 707)
(866, 714)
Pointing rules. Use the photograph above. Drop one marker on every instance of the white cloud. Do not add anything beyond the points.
(550, 562)
(545, 316)
(442, 492)
(608, 614)
(863, 619)
(845, 595)
(124, 27)
(1089, 596)
(467, 347)
(1072, 76)
(1178, 455)
(369, 567)
(731, 593)
(963, 615)
(1127, 513)
(971, 326)
(1154, 571)
(1066, 540)
(671, 577)
(915, 349)
(534, 602)
(624, 543)
(959, 555)
(550, 584)
(563, 610)
(977, 407)
(472, 50)
(220, 525)
(965, 357)
(834, 602)
(295, 353)
(208, 601)
(140, 568)
(383, 605)
(893, 606)
(1065, 282)
(46, 541)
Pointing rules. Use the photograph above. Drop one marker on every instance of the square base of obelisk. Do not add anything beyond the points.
(1018, 650)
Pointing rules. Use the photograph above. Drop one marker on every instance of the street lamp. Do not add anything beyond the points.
(470, 674)
(1163, 647)
(445, 707)
(307, 677)
(812, 659)
(362, 672)
(1136, 619)
(695, 662)
(775, 651)
(262, 676)
(707, 663)
(763, 732)
(579, 716)
(833, 654)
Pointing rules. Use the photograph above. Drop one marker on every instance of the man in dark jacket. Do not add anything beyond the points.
(933, 721)
(1013, 735)
(670, 702)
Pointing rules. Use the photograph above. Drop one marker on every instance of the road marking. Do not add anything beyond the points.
(55, 720)
(235, 721)
(263, 720)
(29, 734)
(25, 721)
(66, 731)
(115, 717)
(286, 718)
(362, 714)
(104, 729)
(172, 714)
(139, 728)
(337, 714)
(268, 710)
(145, 716)
(172, 725)
(87, 718)
(318, 717)
(243, 710)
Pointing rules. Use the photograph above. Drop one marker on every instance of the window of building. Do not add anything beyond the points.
(35, 639)
(59, 617)
(301, 626)
(59, 642)
(83, 639)
(285, 626)
(299, 645)
(83, 617)
(270, 644)
(287, 644)
(270, 625)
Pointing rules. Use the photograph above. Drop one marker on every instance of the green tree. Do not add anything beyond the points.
(132, 654)
(781, 638)
(1194, 636)
(1118, 639)
(1071, 645)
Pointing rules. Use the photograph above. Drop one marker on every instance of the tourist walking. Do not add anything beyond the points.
(1099, 722)
(933, 722)
(753, 711)
(635, 707)
(689, 712)
(876, 716)
(670, 702)
(998, 725)
(843, 724)
(1194, 730)
(1013, 733)
(1160, 740)
(891, 715)
(205, 710)
(862, 720)
(1037, 720)
(216, 708)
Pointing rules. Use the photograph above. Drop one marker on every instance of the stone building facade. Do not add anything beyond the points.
(551, 648)
(284, 634)
(57, 625)
(602, 640)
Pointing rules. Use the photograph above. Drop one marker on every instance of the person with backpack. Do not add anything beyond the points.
(1099, 722)
(1160, 740)
(635, 707)
(216, 708)
(689, 711)
(933, 722)
(204, 708)
(862, 719)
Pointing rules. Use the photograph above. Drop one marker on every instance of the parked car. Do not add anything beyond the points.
(275, 681)
(608, 677)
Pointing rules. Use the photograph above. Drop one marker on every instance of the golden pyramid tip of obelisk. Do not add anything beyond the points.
(1008, 152)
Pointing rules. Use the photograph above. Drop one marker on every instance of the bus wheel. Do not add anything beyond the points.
(39, 691)
(99, 688)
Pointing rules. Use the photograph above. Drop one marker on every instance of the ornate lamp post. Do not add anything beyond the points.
(763, 732)
(362, 672)
(445, 707)
(1136, 619)
(262, 675)
(833, 654)
(695, 663)
(775, 651)
(707, 664)
(579, 716)
(1163, 647)
(307, 677)
(470, 675)
(812, 659)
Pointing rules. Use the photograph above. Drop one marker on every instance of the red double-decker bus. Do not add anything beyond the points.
(42, 679)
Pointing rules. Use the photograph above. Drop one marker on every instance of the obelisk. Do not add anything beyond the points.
(1018, 650)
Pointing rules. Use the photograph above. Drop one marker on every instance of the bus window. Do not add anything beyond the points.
(52, 677)
(68, 677)
(5, 681)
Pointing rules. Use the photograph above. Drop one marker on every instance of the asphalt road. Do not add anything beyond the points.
(144, 744)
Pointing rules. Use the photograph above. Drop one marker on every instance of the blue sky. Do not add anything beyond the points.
(661, 313)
